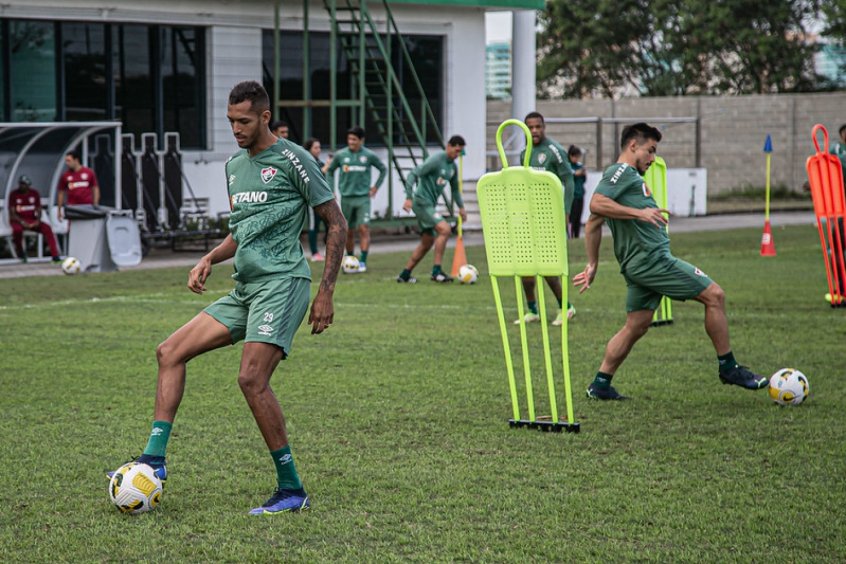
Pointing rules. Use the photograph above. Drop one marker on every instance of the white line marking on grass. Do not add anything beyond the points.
(157, 298)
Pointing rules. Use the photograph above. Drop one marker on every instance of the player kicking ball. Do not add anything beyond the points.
(272, 183)
(642, 248)
(423, 188)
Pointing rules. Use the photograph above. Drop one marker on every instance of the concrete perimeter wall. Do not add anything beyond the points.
(733, 130)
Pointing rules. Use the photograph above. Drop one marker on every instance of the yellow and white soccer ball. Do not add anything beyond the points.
(71, 265)
(135, 488)
(350, 264)
(788, 386)
(468, 274)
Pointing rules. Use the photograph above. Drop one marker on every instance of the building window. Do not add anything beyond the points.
(32, 70)
(182, 79)
(85, 84)
(150, 77)
(426, 51)
(135, 95)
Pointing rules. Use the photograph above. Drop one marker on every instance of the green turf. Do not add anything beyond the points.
(398, 423)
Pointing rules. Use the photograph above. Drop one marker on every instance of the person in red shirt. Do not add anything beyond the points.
(25, 214)
(78, 184)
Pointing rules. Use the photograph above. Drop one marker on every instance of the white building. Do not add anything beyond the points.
(161, 66)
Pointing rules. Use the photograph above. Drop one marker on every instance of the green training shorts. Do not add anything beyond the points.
(665, 276)
(356, 210)
(264, 312)
(427, 217)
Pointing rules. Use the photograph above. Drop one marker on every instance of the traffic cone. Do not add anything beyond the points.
(767, 243)
(459, 258)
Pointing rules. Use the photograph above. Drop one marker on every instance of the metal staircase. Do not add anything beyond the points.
(405, 124)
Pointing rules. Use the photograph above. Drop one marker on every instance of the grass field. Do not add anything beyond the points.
(397, 417)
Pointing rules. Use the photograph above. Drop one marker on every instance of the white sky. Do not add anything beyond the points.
(497, 26)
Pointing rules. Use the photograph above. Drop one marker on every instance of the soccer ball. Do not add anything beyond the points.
(71, 265)
(135, 488)
(350, 264)
(788, 386)
(468, 274)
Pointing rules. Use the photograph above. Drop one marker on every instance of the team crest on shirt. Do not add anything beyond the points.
(362, 159)
(542, 158)
(267, 174)
(646, 191)
(84, 176)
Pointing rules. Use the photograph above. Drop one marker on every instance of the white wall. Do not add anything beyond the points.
(686, 191)
(234, 49)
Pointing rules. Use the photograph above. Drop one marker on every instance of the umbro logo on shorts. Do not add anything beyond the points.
(265, 330)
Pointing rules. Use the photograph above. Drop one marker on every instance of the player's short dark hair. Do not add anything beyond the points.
(574, 151)
(310, 143)
(251, 91)
(639, 131)
(534, 115)
(274, 125)
(75, 154)
(457, 141)
(356, 130)
(842, 128)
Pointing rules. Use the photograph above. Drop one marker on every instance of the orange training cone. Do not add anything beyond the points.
(459, 258)
(767, 243)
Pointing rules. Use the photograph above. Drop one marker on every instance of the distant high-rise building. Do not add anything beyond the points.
(830, 61)
(498, 70)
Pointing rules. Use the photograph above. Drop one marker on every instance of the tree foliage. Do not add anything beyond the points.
(679, 47)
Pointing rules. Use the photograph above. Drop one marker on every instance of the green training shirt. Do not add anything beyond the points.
(549, 155)
(269, 195)
(635, 242)
(430, 178)
(355, 171)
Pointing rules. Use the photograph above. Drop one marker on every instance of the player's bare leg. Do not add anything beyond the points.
(364, 237)
(716, 325)
(616, 351)
(258, 362)
(202, 334)
(443, 230)
(529, 287)
(620, 345)
(350, 243)
(426, 242)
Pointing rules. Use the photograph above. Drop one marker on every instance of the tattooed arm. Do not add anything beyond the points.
(322, 310)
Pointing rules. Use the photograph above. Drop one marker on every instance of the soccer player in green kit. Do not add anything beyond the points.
(423, 187)
(272, 183)
(642, 247)
(355, 163)
(547, 155)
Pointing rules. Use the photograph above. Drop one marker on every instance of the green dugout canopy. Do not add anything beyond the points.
(525, 4)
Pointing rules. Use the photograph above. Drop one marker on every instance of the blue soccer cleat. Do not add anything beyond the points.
(157, 463)
(283, 501)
